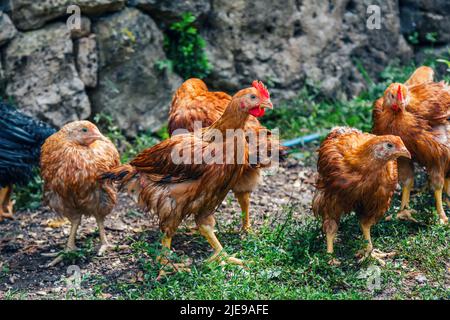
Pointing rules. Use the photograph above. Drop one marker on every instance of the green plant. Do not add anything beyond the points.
(30, 195)
(185, 49)
(413, 38)
(128, 148)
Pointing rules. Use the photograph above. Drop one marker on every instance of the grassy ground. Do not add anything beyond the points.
(286, 260)
(286, 256)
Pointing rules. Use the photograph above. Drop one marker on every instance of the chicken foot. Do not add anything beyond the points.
(6, 203)
(57, 223)
(70, 246)
(370, 251)
(405, 212)
(105, 245)
(244, 202)
(166, 244)
(208, 232)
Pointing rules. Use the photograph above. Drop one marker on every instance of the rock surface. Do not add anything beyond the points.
(425, 17)
(42, 78)
(168, 11)
(290, 42)
(285, 43)
(87, 60)
(32, 14)
(7, 28)
(130, 88)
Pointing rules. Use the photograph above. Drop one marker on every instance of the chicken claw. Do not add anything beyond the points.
(106, 247)
(376, 254)
(334, 262)
(57, 223)
(223, 258)
(405, 215)
(4, 215)
(59, 256)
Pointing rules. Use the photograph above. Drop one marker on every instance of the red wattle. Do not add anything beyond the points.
(257, 112)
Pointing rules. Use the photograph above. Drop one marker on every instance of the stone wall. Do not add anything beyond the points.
(109, 65)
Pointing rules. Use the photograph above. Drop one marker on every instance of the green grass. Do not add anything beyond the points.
(286, 260)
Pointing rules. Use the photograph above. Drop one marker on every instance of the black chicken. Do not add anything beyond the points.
(21, 138)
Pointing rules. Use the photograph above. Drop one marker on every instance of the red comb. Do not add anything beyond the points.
(258, 85)
(399, 93)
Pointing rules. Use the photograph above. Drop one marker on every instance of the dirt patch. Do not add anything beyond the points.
(25, 241)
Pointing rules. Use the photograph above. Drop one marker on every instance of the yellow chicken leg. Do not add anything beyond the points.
(166, 244)
(5, 203)
(244, 202)
(405, 212)
(208, 232)
(439, 207)
(70, 246)
(369, 251)
(330, 227)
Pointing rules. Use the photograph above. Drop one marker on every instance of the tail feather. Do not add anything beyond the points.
(121, 174)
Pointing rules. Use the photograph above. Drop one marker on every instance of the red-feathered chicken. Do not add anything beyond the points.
(419, 115)
(421, 75)
(193, 104)
(174, 189)
(357, 172)
(71, 161)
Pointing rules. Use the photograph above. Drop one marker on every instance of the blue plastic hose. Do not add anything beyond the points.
(301, 140)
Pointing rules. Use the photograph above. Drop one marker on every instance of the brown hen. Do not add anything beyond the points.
(193, 104)
(357, 172)
(419, 115)
(175, 189)
(71, 161)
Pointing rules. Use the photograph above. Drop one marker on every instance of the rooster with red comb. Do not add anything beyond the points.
(193, 103)
(175, 191)
(418, 112)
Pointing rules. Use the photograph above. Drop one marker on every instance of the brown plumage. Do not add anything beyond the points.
(357, 172)
(419, 115)
(192, 103)
(173, 189)
(71, 161)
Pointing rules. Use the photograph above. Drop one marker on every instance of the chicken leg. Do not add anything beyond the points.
(166, 244)
(70, 246)
(244, 202)
(439, 207)
(405, 212)
(105, 245)
(6, 203)
(369, 251)
(406, 177)
(208, 232)
(330, 227)
(103, 238)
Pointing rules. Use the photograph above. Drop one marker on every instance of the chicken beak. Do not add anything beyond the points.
(94, 137)
(403, 152)
(267, 104)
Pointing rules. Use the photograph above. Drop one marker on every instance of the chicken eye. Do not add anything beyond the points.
(84, 130)
(389, 145)
(253, 97)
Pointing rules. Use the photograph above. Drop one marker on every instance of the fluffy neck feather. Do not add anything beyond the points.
(232, 118)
